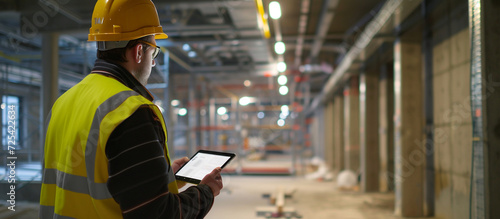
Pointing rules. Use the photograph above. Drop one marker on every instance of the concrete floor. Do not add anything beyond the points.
(312, 199)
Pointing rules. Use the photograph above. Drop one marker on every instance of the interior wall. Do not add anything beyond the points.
(452, 115)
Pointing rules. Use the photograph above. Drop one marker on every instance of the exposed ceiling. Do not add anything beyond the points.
(226, 35)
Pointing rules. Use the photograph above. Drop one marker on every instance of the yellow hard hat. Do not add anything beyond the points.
(124, 20)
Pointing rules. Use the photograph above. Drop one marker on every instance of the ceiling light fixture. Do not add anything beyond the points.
(245, 101)
(275, 10)
(281, 66)
(260, 115)
(247, 83)
(182, 111)
(279, 48)
(175, 102)
(285, 108)
(283, 90)
(282, 80)
(192, 54)
(281, 122)
(221, 111)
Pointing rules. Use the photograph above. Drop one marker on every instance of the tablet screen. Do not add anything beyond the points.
(201, 164)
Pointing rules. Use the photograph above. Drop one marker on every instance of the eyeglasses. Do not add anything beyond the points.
(157, 48)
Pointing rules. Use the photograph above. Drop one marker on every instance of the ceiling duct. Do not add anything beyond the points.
(366, 36)
(327, 15)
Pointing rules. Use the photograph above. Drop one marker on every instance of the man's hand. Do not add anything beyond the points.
(178, 163)
(214, 181)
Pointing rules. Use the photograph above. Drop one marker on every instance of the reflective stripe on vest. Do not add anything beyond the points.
(48, 212)
(70, 188)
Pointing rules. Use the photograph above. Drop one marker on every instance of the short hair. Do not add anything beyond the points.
(118, 55)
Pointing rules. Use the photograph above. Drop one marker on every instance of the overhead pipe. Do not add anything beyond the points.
(327, 15)
(58, 8)
(366, 36)
(356, 27)
(304, 16)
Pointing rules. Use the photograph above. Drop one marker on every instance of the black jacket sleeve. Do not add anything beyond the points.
(138, 173)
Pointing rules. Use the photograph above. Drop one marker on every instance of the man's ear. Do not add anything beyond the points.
(137, 53)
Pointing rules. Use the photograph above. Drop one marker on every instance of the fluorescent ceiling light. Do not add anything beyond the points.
(175, 102)
(247, 83)
(282, 80)
(283, 90)
(222, 110)
(275, 10)
(279, 48)
(182, 111)
(281, 66)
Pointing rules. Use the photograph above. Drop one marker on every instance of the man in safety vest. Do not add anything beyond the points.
(105, 149)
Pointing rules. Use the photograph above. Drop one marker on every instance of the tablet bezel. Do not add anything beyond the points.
(197, 181)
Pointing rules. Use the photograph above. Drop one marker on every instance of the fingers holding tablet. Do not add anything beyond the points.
(214, 181)
(179, 163)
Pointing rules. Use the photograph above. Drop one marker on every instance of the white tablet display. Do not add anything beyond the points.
(201, 164)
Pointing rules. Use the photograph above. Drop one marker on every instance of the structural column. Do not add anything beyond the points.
(50, 78)
(408, 129)
(368, 100)
(485, 23)
(351, 125)
(211, 123)
(166, 101)
(328, 134)
(192, 116)
(338, 127)
(386, 130)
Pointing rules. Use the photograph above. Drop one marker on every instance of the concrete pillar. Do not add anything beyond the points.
(408, 129)
(428, 77)
(486, 90)
(198, 104)
(328, 134)
(204, 114)
(351, 125)
(338, 127)
(236, 120)
(386, 129)
(212, 114)
(166, 101)
(192, 111)
(368, 107)
(50, 78)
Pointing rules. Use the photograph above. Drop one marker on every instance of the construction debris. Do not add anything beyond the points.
(277, 208)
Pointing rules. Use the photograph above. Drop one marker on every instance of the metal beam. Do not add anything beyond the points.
(365, 38)
(304, 16)
(327, 15)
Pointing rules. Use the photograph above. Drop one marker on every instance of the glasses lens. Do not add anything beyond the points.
(155, 47)
(156, 52)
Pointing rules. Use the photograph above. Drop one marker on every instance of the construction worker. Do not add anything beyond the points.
(105, 152)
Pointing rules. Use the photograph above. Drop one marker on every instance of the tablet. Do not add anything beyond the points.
(201, 164)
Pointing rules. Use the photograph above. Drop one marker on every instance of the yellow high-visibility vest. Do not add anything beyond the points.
(75, 164)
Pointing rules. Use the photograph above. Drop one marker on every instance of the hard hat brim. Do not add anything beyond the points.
(161, 36)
